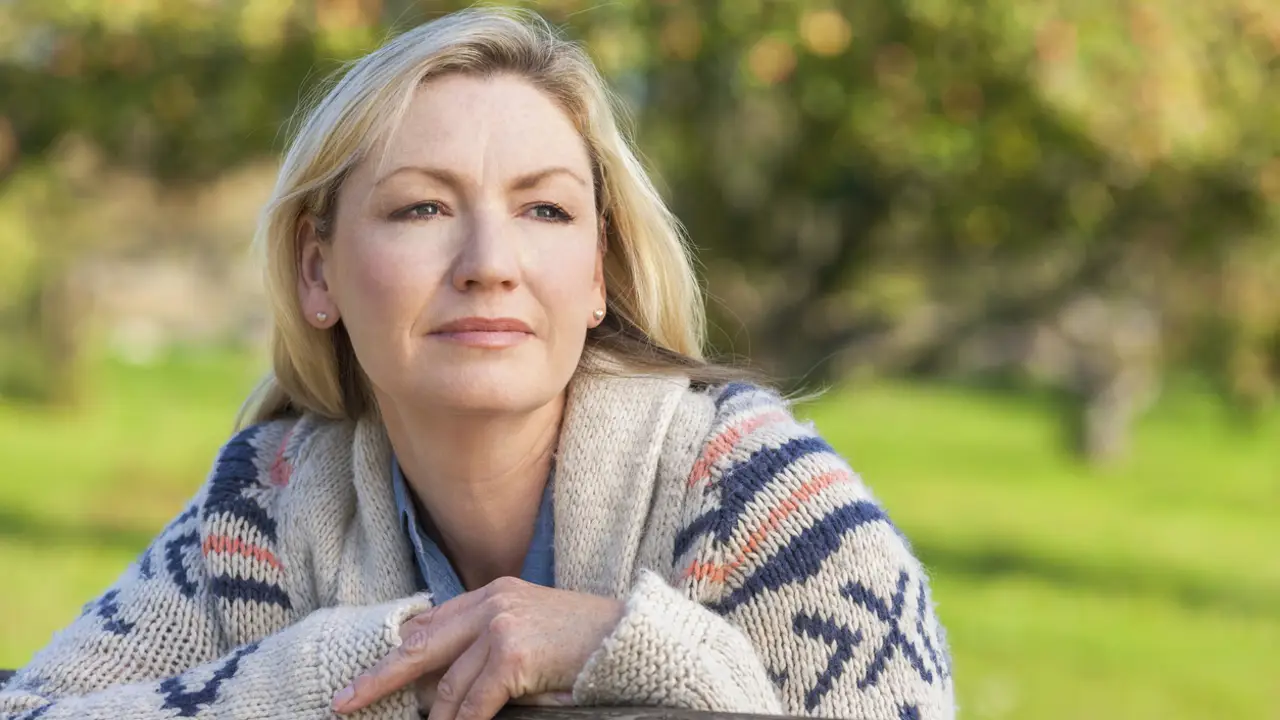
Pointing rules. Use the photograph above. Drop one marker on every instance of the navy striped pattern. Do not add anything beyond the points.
(235, 472)
(785, 513)
(242, 565)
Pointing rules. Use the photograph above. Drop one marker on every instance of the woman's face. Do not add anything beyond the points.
(466, 264)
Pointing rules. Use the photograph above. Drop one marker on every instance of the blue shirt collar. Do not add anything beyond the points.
(438, 576)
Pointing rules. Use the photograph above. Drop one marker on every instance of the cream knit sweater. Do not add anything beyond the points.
(759, 574)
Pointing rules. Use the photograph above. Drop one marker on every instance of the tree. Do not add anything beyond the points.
(912, 186)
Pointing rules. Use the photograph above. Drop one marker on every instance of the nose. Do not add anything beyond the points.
(488, 257)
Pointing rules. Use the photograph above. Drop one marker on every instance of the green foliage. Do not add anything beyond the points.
(979, 150)
(184, 92)
(869, 184)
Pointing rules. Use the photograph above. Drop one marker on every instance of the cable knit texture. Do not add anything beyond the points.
(759, 574)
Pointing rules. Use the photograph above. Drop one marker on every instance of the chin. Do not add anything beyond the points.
(490, 389)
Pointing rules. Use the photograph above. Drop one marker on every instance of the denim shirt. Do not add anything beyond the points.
(437, 575)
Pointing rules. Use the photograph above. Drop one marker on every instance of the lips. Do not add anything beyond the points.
(483, 325)
(484, 333)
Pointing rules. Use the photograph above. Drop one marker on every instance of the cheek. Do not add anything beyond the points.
(381, 283)
(567, 282)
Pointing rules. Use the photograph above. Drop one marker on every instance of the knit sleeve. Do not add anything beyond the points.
(153, 646)
(791, 591)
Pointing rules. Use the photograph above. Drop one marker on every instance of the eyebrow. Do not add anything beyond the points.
(450, 178)
(533, 179)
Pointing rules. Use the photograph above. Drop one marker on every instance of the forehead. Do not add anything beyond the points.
(484, 125)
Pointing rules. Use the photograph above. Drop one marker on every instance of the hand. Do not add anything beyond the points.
(510, 640)
(425, 693)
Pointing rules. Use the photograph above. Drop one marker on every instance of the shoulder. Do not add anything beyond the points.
(753, 439)
(239, 512)
(254, 455)
(717, 427)
(261, 471)
(767, 491)
(781, 536)
(256, 485)
(265, 456)
(760, 470)
(265, 467)
(704, 408)
(258, 461)
(744, 423)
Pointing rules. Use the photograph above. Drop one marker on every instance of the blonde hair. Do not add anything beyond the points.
(656, 319)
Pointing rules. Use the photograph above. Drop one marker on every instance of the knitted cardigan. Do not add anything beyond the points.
(758, 573)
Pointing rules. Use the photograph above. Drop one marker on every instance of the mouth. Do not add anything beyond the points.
(485, 333)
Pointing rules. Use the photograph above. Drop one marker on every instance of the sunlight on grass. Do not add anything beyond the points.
(85, 490)
(1028, 649)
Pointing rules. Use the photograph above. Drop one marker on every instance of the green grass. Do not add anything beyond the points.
(84, 491)
(1149, 590)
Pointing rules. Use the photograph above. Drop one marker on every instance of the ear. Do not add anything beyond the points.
(318, 307)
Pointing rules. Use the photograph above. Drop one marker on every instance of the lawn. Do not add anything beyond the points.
(1150, 590)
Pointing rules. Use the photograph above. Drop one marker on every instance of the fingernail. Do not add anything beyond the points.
(343, 697)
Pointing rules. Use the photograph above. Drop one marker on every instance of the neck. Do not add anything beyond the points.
(480, 478)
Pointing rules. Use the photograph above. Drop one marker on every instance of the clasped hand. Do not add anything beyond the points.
(510, 641)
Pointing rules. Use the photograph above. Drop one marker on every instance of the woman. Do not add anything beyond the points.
(490, 465)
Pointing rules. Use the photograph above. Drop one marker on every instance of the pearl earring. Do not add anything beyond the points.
(322, 316)
(598, 314)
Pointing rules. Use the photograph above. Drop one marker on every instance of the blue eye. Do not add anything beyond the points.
(550, 213)
(420, 211)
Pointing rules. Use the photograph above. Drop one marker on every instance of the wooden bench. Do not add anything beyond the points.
(584, 713)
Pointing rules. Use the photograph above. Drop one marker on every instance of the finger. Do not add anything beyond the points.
(490, 690)
(428, 648)
(558, 698)
(424, 690)
(463, 604)
(432, 641)
(455, 684)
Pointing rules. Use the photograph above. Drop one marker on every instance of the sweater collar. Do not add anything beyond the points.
(611, 441)
(610, 444)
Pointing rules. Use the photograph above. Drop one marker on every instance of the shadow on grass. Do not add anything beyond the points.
(1129, 581)
(972, 562)
(62, 534)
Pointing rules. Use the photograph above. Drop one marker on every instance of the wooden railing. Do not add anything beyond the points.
(516, 712)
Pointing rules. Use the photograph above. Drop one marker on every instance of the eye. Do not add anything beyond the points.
(550, 212)
(419, 211)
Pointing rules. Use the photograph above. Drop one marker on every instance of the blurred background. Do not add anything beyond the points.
(1031, 249)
